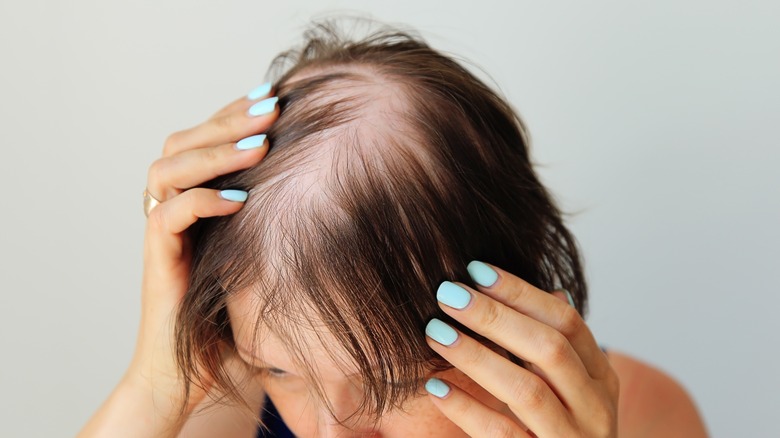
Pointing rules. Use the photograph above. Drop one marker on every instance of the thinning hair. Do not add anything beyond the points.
(391, 167)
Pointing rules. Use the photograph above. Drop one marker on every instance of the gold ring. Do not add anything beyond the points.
(149, 202)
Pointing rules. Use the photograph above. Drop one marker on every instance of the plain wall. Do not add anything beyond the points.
(656, 122)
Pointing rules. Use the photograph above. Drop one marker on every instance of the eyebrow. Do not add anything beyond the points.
(257, 362)
(266, 366)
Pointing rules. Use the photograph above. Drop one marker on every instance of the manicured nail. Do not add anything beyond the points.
(437, 387)
(453, 295)
(441, 332)
(252, 142)
(259, 91)
(569, 297)
(483, 274)
(234, 195)
(265, 106)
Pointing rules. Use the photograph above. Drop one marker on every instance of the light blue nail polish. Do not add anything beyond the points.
(441, 332)
(265, 106)
(483, 274)
(259, 91)
(252, 142)
(234, 195)
(453, 295)
(569, 297)
(437, 387)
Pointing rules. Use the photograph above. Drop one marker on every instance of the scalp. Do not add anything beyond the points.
(390, 167)
(343, 134)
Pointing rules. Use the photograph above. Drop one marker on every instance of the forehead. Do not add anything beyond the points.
(260, 344)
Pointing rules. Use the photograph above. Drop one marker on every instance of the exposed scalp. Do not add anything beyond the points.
(390, 168)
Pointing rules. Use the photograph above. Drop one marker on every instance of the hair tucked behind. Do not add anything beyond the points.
(390, 168)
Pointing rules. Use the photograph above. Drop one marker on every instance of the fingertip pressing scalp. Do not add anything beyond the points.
(481, 273)
(234, 195)
(453, 295)
(441, 332)
(436, 387)
(263, 107)
(251, 142)
(260, 91)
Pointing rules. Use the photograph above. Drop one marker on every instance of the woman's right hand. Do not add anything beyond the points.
(229, 141)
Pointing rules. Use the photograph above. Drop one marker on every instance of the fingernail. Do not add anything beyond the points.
(483, 274)
(437, 387)
(569, 297)
(265, 106)
(234, 195)
(259, 91)
(453, 295)
(252, 142)
(441, 332)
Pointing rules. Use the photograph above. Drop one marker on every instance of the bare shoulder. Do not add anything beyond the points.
(652, 403)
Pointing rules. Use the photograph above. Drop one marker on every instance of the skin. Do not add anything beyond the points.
(572, 389)
(650, 403)
(306, 416)
(479, 403)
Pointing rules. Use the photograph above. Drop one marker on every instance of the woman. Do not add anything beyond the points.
(367, 251)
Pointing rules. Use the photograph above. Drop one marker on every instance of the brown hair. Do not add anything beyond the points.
(391, 167)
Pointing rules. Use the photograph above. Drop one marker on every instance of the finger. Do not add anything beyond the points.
(244, 102)
(525, 393)
(174, 216)
(167, 251)
(226, 128)
(528, 300)
(533, 341)
(468, 413)
(168, 176)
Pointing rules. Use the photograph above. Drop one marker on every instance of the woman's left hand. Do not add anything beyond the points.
(569, 389)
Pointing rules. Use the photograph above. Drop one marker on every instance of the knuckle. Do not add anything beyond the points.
(477, 356)
(212, 156)
(603, 421)
(171, 143)
(213, 161)
(490, 317)
(224, 122)
(156, 174)
(555, 349)
(570, 322)
(460, 409)
(500, 428)
(612, 383)
(529, 392)
(158, 219)
(520, 290)
(191, 198)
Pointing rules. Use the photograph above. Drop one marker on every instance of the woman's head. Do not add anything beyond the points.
(391, 167)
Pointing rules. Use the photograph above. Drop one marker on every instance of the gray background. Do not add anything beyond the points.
(656, 122)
